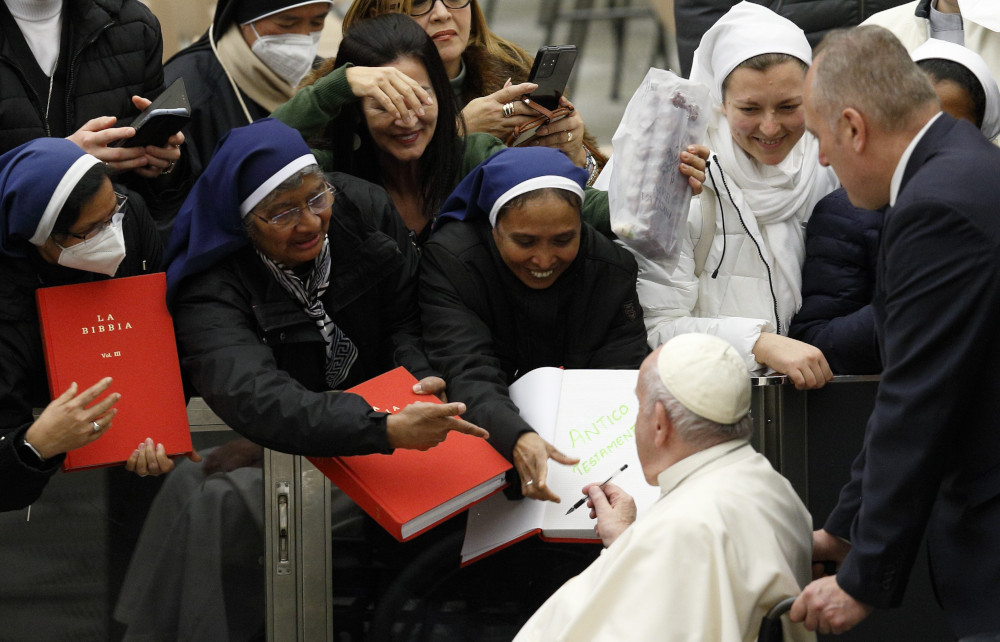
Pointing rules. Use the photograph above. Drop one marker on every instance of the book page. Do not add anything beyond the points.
(596, 424)
(497, 520)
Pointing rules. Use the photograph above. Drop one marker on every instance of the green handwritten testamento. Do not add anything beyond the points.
(587, 414)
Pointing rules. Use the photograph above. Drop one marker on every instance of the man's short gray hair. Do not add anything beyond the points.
(695, 430)
(868, 69)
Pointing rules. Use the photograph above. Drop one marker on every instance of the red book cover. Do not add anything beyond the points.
(410, 491)
(118, 328)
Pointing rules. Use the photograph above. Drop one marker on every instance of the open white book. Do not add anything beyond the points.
(587, 414)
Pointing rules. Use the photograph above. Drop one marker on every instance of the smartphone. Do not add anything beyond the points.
(550, 71)
(164, 117)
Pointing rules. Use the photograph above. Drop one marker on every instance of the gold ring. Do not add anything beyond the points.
(508, 110)
(569, 137)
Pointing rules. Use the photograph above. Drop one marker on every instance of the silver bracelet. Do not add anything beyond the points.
(34, 450)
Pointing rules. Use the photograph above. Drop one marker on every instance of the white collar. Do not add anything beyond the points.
(897, 176)
(673, 475)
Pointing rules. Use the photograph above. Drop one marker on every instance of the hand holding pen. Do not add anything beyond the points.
(581, 502)
(612, 507)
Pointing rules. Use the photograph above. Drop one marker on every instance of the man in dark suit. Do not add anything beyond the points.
(931, 457)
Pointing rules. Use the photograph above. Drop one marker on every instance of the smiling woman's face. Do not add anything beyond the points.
(403, 143)
(539, 239)
(764, 110)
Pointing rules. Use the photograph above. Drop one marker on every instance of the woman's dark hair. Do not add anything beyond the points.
(763, 62)
(942, 69)
(519, 201)
(373, 43)
(85, 189)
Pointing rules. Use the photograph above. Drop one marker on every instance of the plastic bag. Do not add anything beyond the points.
(648, 196)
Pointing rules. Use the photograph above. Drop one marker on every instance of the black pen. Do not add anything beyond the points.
(583, 501)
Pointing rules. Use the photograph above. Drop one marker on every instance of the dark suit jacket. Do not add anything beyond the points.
(931, 457)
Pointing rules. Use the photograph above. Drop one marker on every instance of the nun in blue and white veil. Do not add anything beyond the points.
(60, 223)
(511, 280)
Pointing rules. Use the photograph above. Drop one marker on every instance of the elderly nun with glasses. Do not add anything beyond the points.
(286, 284)
(61, 222)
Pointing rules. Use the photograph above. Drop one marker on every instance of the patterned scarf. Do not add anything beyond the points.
(341, 353)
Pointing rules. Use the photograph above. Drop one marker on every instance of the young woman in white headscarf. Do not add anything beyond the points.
(737, 271)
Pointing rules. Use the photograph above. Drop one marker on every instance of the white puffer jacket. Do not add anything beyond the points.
(750, 281)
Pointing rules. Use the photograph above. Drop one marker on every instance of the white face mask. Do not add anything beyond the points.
(290, 55)
(102, 254)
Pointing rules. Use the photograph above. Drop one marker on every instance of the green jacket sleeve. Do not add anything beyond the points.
(313, 107)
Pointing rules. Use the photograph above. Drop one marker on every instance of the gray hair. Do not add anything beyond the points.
(292, 182)
(868, 69)
(695, 430)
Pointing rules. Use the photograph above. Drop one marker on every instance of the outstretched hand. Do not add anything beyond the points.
(421, 425)
(531, 460)
(612, 507)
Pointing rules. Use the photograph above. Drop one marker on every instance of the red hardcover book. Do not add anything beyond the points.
(118, 328)
(410, 491)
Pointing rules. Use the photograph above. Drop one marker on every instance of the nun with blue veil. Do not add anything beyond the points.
(511, 280)
(61, 222)
(287, 286)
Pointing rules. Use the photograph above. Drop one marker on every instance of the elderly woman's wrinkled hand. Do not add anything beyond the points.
(421, 426)
(70, 421)
(531, 460)
(396, 92)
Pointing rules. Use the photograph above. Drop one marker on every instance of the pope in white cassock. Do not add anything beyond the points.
(727, 539)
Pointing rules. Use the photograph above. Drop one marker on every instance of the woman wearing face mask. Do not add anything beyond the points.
(737, 273)
(514, 280)
(247, 64)
(486, 71)
(838, 276)
(61, 222)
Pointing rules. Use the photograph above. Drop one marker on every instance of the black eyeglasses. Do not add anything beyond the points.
(317, 204)
(120, 200)
(423, 7)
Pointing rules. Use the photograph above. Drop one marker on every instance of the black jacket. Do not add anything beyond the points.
(483, 327)
(815, 17)
(214, 107)
(931, 457)
(258, 359)
(23, 383)
(838, 283)
(112, 52)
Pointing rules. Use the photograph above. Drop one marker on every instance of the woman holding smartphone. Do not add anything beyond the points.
(488, 74)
